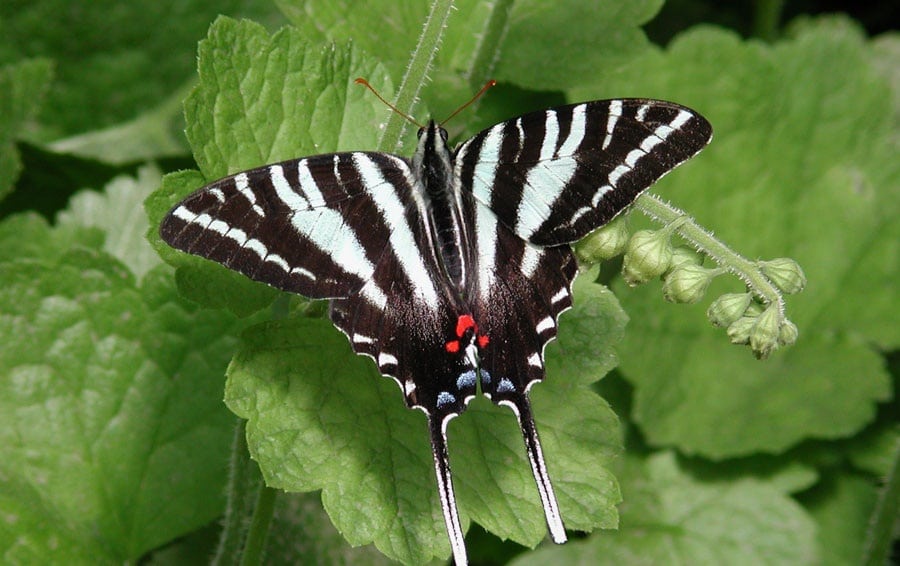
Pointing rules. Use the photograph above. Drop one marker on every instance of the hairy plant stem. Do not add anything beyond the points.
(258, 531)
(246, 520)
(250, 504)
(416, 73)
(705, 242)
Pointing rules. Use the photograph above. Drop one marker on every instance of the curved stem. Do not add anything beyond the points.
(249, 509)
(704, 241)
(255, 543)
(487, 49)
(250, 504)
(766, 17)
(884, 521)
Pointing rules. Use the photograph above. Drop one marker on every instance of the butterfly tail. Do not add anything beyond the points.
(438, 428)
(521, 406)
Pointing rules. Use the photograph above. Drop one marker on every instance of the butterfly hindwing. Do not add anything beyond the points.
(555, 175)
(409, 344)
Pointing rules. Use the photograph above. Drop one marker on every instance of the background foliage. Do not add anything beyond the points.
(116, 443)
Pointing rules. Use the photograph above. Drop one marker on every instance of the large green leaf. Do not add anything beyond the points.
(114, 435)
(803, 165)
(671, 518)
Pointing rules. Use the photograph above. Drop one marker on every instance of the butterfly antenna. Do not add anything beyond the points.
(478, 94)
(365, 83)
(438, 428)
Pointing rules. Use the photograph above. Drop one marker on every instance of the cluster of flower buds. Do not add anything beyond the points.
(650, 254)
(763, 327)
(747, 321)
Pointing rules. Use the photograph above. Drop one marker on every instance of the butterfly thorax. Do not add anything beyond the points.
(433, 165)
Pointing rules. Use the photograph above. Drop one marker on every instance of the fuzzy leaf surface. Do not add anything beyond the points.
(114, 435)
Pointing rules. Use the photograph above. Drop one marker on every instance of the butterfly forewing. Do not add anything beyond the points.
(308, 226)
(553, 176)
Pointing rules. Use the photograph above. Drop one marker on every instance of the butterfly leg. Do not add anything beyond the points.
(521, 406)
(438, 428)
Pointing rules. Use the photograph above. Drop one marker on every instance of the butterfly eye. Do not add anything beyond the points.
(419, 133)
(444, 135)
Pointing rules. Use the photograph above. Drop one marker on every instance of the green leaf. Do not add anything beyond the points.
(111, 419)
(804, 165)
(155, 134)
(118, 212)
(321, 418)
(261, 98)
(114, 60)
(886, 52)
(875, 449)
(29, 235)
(841, 507)
(573, 39)
(23, 85)
(671, 518)
(533, 44)
(302, 534)
(367, 24)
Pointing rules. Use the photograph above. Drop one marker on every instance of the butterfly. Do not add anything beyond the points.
(450, 268)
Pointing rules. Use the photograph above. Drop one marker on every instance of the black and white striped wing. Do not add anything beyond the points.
(555, 175)
(523, 288)
(313, 226)
(350, 227)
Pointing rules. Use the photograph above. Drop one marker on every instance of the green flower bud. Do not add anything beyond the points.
(728, 308)
(683, 255)
(755, 309)
(764, 335)
(604, 243)
(647, 256)
(687, 283)
(739, 330)
(785, 274)
(788, 333)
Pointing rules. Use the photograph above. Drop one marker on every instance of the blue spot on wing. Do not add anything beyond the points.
(485, 377)
(466, 379)
(505, 386)
(445, 398)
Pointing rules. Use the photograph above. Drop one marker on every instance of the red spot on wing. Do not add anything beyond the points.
(464, 323)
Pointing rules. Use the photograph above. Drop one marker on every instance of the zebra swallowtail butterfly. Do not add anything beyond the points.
(450, 268)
